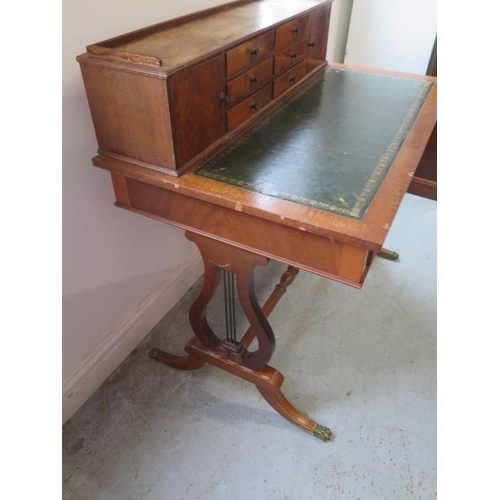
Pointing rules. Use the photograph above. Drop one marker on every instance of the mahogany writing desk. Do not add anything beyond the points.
(315, 184)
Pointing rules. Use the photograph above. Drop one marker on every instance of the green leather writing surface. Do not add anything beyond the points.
(330, 146)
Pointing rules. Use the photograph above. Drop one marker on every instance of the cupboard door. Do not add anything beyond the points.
(318, 37)
(198, 113)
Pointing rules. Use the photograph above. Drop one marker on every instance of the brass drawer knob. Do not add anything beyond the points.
(254, 79)
(311, 44)
(293, 55)
(254, 52)
(295, 31)
(254, 105)
(291, 78)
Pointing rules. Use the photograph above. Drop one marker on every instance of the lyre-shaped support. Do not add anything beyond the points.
(241, 263)
(229, 354)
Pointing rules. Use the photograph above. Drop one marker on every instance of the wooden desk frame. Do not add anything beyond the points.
(237, 230)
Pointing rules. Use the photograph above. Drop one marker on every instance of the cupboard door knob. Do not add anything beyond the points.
(311, 44)
(254, 52)
(254, 105)
(254, 79)
(224, 97)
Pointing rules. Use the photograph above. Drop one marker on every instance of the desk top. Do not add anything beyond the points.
(331, 146)
(371, 180)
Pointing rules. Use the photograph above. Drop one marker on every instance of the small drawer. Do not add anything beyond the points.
(249, 53)
(289, 79)
(291, 32)
(247, 108)
(290, 57)
(250, 81)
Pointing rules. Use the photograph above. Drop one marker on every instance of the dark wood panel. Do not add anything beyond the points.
(199, 116)
(318, 37)
(424, 182)
(427, 168)
(424, 188)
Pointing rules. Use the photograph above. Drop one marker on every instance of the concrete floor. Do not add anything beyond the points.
(362, 362)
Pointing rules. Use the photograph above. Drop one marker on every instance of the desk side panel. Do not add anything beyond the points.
(131, 115)
(335, 260)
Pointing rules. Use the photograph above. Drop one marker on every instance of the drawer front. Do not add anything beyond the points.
(289, 79)
(291, 32)
(247, 108)
(250, 81)
(249, 53)
(291, 56)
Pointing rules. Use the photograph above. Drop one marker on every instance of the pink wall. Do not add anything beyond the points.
(111, 258)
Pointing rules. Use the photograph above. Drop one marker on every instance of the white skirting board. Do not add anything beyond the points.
(126, 333)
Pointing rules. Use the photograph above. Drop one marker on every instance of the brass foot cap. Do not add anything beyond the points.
(388, 254)
(323, 433)
(155, 354)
